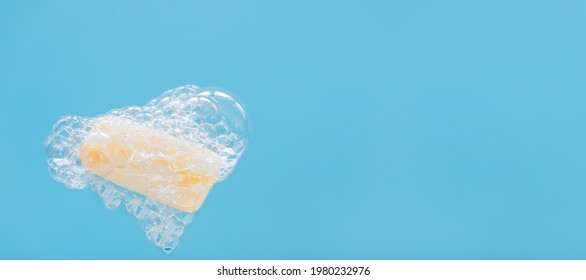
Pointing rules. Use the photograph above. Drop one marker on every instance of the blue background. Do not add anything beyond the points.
(380, 129)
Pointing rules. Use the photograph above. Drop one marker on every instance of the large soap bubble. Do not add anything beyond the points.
(159, 160)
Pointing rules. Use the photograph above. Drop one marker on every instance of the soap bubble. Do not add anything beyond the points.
(159, 161)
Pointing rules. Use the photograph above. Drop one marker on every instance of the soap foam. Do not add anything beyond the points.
(207, 118)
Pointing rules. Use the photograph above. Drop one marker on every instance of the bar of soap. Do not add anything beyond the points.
(159, 160)
(150, 162)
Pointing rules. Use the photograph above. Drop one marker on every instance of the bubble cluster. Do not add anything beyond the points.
(159, 160)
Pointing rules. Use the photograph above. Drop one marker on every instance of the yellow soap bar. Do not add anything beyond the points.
(150, 162)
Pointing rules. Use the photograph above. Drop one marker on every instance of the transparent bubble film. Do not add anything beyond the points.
(159, 160)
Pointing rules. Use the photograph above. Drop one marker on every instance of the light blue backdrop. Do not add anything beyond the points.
(380, 129)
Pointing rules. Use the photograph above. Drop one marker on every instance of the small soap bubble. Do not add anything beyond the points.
(159, 160)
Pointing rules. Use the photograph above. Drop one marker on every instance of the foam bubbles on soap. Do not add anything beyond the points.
(208, 127)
